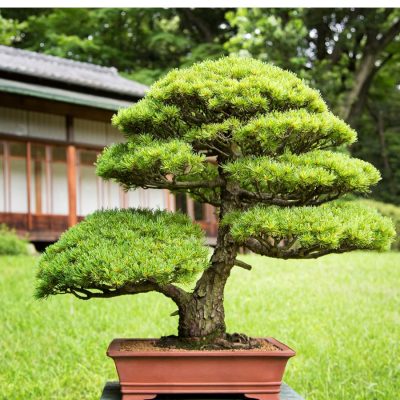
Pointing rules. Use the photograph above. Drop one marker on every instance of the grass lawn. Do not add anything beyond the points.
(341, 314)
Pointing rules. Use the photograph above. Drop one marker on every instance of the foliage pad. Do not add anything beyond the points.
(111, 249)
(307, 232)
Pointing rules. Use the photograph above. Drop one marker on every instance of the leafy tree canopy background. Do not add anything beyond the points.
(351, 55)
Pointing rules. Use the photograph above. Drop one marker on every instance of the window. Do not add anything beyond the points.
(47, 180)
(49, 184)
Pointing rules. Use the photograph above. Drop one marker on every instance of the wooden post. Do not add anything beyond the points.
(28, 183)
(71, 168)
(71, 171)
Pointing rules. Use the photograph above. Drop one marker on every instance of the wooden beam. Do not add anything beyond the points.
(38, 187)
(15, 138)
(71, 171)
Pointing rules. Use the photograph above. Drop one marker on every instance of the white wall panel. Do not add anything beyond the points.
(90, 132)
(18, 195)
(2, 187)
(111, 195)
(88, 197)
(155, 198)
(135, 198)
(47, 126)
(114, 135)
(13, 121)
(59, 189)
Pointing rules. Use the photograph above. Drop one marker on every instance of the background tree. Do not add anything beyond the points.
(351, 55)
(347, 46)
(245, 136)
(142, 43)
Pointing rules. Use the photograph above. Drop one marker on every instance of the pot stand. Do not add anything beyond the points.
(112, 391)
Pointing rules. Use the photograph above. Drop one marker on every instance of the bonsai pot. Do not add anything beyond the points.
(145, 373)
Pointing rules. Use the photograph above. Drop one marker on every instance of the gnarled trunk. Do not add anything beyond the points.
(203, 316)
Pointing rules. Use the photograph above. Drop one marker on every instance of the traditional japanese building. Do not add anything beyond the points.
(54, 120)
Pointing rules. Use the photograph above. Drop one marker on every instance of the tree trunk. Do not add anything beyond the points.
(362, 76)
(203, 316)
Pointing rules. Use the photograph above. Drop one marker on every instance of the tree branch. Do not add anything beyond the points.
(242, 264)
(390, 34)
(165, 184)
(178, 295)
(175, 293)
(254, 245)
(268, 198)
(366, 71)
(199, 23)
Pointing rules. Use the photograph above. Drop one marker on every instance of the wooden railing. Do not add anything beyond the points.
(49, 227)
(44, 227)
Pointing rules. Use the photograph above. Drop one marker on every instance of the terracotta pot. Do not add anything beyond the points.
(255, 373)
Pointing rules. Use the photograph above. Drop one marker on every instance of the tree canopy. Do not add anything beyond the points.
(272, 136)
(225, 132)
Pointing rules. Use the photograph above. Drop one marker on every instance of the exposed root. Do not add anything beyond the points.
(234, 341)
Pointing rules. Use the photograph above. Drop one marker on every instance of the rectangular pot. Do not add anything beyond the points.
(255, 373)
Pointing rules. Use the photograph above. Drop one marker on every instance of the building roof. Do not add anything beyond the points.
(66, 71)
(66, 96)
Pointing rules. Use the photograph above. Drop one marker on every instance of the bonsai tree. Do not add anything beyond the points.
(247, 137)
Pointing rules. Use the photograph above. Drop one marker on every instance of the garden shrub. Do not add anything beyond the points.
(10, 243)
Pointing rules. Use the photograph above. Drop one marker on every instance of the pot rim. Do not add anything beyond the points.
(114, 351)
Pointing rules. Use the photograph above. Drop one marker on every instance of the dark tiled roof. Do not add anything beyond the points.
(68, 71)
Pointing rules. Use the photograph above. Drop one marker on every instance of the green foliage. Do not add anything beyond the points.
(269, 133)
(10, 243)
(298, 232)
(211, 91)
(114, 248)
(294, 130)
(10, 31)
(379, 130)
(142, 159)
(351, 55)
(388, 210)
(278, 36)
(324, 46)
(304, 176)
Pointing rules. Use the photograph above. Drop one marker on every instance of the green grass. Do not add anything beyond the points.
(341, 314)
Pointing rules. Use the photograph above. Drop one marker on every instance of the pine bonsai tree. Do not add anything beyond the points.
(247, 137)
